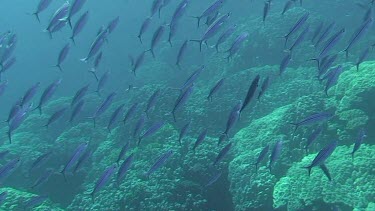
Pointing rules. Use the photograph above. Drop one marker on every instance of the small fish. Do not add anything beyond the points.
(213, 8)
(313, 136)
(42, 179)
(8, 168)
(264, 87)
(225, 35)
(35, 201)
(113, 24)
(296, 27)
(87, 155)
(115, 115)
(96, 45)
(192, 78)
(103, 180)
(361, 136)
(313, 119)
(79, 95)
(213, 179)
(103, 106)
(156, 39)
(123, 151)
(80, 24)
(138, 62)
(152, 101)
(74, 8)
(329, 44)
(181, 100)
(60, 13)
(287, 6)
(215, 89)
(139, 125)
(29, 94)
(184, 130)
(222, 153)
(234, 115)
(62, 56)
(125, 166)
(144, 27)
(58, 27)
(200, 139)
(317, 31)
(324, 66)
(76, 110)
(41, 160)
(43, 4)
(358, 34)
(322, 156)
(179, 12)
(261, 156)
(172, 32)
(159, 162)
(266, 9)
(55, 116)
(332, 80)
(14, 111)
(284, 63)
(97, 60)
(102, 81)
(300, 38)
(250, 92)
(154, 128)
(181, 53)
(156, 4)
(236, 44)
(6, 54)
(17, 120)
(131, 112)
(276, 151)
(47, 94)
(362, 57)
(74, 158)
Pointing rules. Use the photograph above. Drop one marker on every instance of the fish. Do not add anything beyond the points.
(181, 53)
(322, 156)
(7, 65)
(266, 9)
(59, 25)
(103, 106)
(62, 56)
(74, 158)
(7, 169)
(313, 119)
(14, 111)
(212, 18)
(139, 125)
(313, 136)
(103, 180)
(76, 110)
(152, 101)
(212, 29)
(35, 201)
(361, 136)
(96, 45)
(55, 116)
(42, 179)
(233, 117)
(184, 130)
(156, 39)
(301, 21)
(131, 112)
(179, 12)
(213, 179)
(6, 54)
(287, 6)
(42, 5)
(225, 35)
(80, 24)
(332, 80)
(87, 155)
(324, 34)
(102, 81)
(172, 33)
(41, 160)
(60, 13)
(154, 128)
(79, 95)
(300, 38)
(264, 87)
(236, 44)
(284, 63)
(138, 62)
(29, 94)
(123, 151)
(97, 60)
(125, 166)
(250, 92)
(74, 8)
(276, 152)
(261, 156)
(215, 89)
(17, 120)
(324, 66)
(47, 94)
(159, 162)
(362, 57)
(317, 31)
(200, 139)
(213, 8)
(222, 153)
(181, 100)
(114, 117)
(145, 25)
(156, 4)
(329, 44)
(192, 78)
(358, 34)
(113, 24)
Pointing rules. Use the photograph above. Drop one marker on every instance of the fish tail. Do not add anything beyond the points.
(295, 126)
(139, 140)
(93, 71)
(72, 39)
(200, 44)
(170, 42)
(63, 173)
(198, 20)
(140, 39)
(59, 66)
(286, 40)
(308, 169)
(69, 22)
(36, 14)
(174, 117)
(217, 48)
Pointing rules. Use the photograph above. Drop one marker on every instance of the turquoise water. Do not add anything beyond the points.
(171, 123)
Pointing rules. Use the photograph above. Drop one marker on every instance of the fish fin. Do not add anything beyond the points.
(200, 44)
(152, 52)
